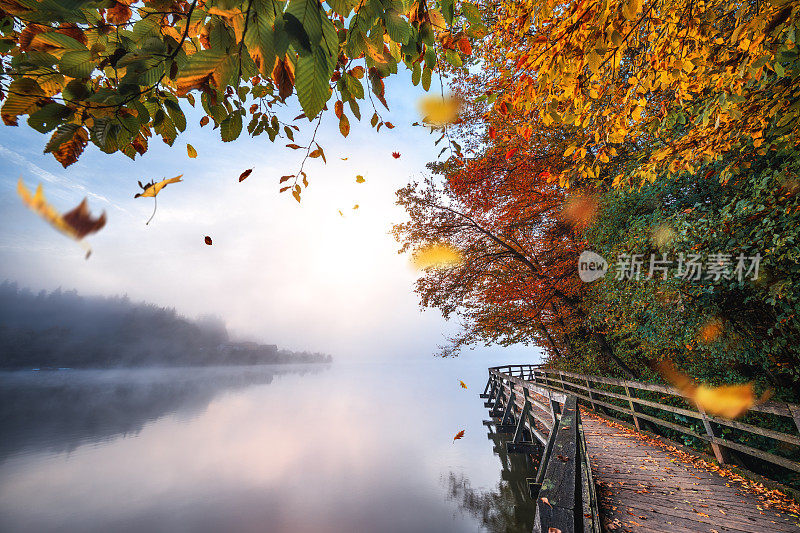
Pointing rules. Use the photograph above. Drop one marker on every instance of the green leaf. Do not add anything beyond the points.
(397, 27)
(342, 7)
(59, 40)
(77, 64)
(23, 97)
(260, 41)
(49, 117)
(309, 14)
(175, 113)
(312, 82)
(231, 127)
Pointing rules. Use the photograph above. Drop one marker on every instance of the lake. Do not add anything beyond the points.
(343, 447)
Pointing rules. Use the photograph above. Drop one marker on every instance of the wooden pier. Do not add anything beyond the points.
(596, 475)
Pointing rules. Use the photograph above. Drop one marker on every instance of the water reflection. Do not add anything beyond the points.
(60, 411)
(507, 508)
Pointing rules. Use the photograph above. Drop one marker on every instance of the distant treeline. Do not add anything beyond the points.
(62, 329)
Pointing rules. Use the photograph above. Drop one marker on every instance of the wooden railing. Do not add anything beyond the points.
(563, 487)
(631, 398)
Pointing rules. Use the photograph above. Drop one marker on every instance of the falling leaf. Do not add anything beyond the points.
(463, 385)
(728, 401)
(191, 151)
(396, 155)
(208, 240)
(438, 111)
(152, 188)
(76, 223)
(344, 158)
(436, 256)
(459, 435)
(710, 331)
(244, 174)
(340, 213)
(360, 179)
(355, 207)
(580, 211)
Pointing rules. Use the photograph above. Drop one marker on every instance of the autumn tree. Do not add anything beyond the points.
(116, 73)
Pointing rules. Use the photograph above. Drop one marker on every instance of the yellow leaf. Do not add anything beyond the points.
(436, 256)
(439, 111)
(76, 223)
(191, 151)
(463, 385)
(355, 206)
(728, 401)
(360, 179)
(152, 189)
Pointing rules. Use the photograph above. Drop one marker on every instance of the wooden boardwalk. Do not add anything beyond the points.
(643, 487)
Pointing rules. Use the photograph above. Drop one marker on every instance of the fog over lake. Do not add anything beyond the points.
(315, 447)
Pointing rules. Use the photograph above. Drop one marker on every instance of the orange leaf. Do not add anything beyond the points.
(208, 240)
(459, 435)
(463, 385)
(511, 153)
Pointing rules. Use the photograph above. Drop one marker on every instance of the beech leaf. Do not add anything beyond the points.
(243, 175)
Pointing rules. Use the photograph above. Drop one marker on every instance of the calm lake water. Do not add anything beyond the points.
(330, 448)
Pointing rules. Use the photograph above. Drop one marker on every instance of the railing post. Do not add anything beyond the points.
(561, 377)
(590, 393)
(720, 453)
(633, 408)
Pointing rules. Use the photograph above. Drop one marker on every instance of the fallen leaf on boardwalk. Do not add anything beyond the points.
(76, 223)
(396, 155)
(545, 500)
(436, 256)
(553, 530)
(728, 401)
(438, 111)
(463, 385)
(459, 435)
(243, 175)
(580, 211)
(562, 458)
(190, 151)
(360, 179)
(208, 240)
(152, 189)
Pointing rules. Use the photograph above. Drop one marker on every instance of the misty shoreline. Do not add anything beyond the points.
(63, 330)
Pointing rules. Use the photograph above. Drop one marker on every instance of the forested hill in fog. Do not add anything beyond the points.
(62, 329)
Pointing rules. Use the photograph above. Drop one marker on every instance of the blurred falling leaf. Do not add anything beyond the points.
(438, 111)
(360, 179)
(459, 435)
(710, 331)
(208, 240)
(344, 158)
(580, 211)
(663, 235)
(355, 207)
(728, 401)
(340, 213)
(191, 151)
(76, 223)
(436, 256)
(396, 155)
(463, 385)
(152, 189)
(244, 174)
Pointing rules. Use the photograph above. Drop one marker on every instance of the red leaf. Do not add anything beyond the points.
(244, 174)
(208, 240)
(510, 153)
(396, 155)
(459, 435)
(492, 132)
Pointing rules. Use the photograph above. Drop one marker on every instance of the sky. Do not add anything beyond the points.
(297, 275)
